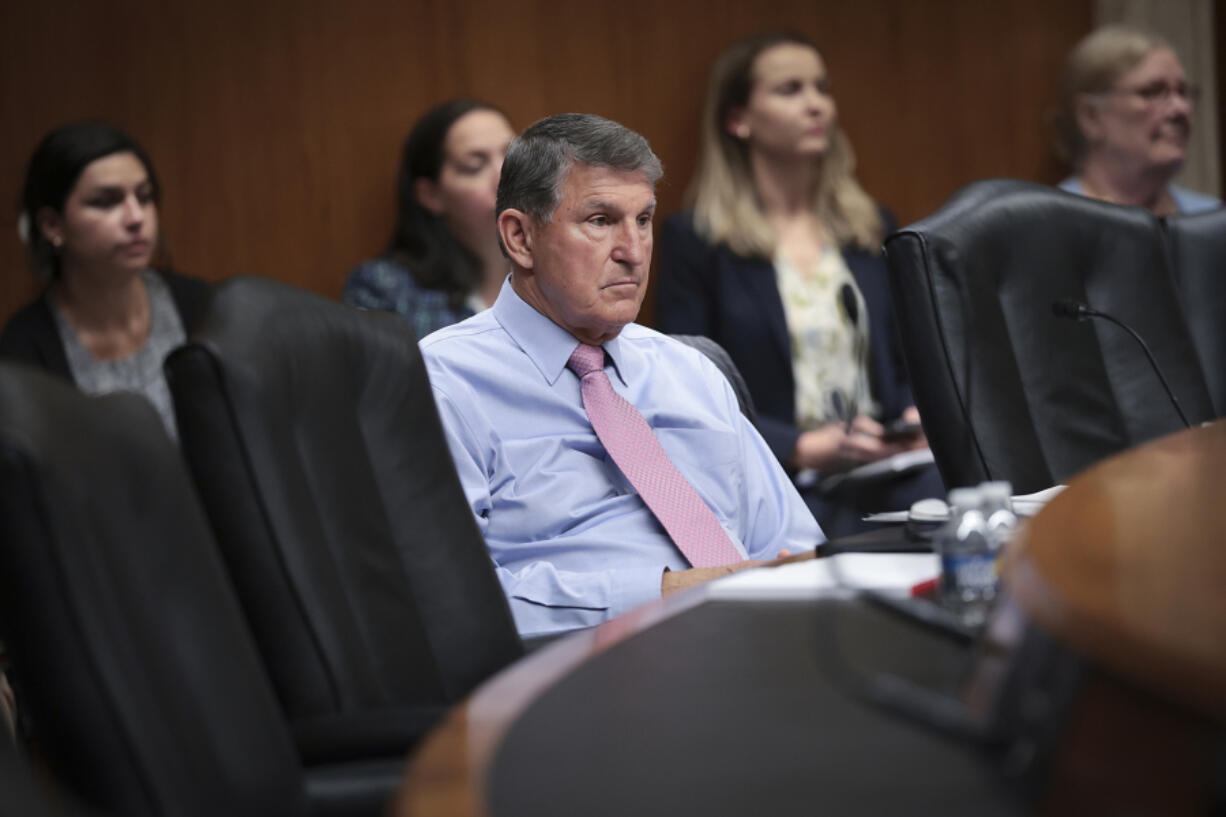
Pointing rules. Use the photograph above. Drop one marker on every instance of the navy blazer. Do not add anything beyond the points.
(710, 290)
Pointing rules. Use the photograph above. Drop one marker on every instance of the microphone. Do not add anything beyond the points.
(1076, 310)
(1069, 308)
(851, 307)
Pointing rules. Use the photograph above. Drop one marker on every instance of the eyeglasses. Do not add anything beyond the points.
(1159, 93)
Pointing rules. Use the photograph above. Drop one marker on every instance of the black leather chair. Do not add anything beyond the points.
(1009, 391)
(313, 436)
(720, 357)
(1198, 257)
(142, 686)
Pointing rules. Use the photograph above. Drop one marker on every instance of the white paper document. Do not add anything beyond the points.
(833, 575)
(1023, 505)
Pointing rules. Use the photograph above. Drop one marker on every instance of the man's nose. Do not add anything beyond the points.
(633, 244)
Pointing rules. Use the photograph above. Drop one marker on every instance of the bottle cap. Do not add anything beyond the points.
(997, 488)
(998, 493)
(962, 498)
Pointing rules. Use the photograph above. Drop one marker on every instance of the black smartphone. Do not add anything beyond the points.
(901, 431)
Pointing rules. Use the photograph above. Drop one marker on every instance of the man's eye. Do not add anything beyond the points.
(599, 221)
(644, 221)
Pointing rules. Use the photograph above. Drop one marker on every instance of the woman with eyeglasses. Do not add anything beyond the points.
(1124, 118)
(779, 261)
(107, 317)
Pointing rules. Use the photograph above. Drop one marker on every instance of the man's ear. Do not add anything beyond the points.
(427, 194)
(515, 230)
(51, 225)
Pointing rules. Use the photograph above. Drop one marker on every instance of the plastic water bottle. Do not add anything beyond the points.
(968, 558)
(998, 511)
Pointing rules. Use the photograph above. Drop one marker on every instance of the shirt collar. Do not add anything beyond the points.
(548, 345)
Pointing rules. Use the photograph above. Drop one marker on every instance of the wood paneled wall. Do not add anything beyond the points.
(276, 125)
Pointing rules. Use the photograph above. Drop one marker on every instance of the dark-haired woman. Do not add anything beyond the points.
(443, 263)
(780, 262)
(106, 319)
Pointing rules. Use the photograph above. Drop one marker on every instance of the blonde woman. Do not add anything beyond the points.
(1125, 116)
(780, 262)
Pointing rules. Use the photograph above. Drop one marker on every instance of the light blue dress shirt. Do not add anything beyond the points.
(573, 543)
(1186, 201)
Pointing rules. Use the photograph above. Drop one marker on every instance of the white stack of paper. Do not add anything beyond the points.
(935, 510)
(833, 575)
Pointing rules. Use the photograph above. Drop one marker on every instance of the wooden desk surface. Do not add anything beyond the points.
(1073, 568)
(447, 775)
(1128, 566)
(740, 706)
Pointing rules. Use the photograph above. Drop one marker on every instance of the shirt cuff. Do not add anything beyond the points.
(633, 587)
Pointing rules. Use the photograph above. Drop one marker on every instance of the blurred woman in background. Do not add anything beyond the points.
(779, 261)
(442, 263)
(1125, 116)
(106, 319)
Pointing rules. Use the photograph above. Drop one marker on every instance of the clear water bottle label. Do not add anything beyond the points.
(970, 574)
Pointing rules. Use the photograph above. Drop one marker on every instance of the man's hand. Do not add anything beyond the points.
(676, 580)
(786, 557)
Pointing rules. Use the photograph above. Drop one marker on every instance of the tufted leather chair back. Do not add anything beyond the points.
(131, 656)
(1009, 391)
(312, 432)
(1198, 257)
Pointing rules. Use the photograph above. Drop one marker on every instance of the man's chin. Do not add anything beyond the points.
(620, 299)
(615, 320)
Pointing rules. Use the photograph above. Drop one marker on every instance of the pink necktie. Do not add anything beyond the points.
(630, 442)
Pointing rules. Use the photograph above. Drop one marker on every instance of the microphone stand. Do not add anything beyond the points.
(1069, 308)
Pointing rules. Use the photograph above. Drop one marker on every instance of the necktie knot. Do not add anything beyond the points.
(585, 360)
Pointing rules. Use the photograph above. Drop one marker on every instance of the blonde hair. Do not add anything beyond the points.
(722, 193)
(1093, 67)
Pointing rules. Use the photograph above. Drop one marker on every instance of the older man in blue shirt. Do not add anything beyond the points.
(572, 540)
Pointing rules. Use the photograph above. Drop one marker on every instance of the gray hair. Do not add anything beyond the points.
(538, 160)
